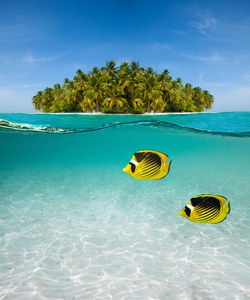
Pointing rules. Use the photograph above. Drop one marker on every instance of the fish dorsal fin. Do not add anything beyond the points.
(196, 200)
(139, 156)
(204, 198)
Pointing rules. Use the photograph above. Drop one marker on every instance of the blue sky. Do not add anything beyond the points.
(206, 43)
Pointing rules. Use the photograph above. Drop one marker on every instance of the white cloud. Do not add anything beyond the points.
(215, 84)
(206, 23)
(31, 85)
(212, 58)
(223, 30)
(29, 58)
(158, 46)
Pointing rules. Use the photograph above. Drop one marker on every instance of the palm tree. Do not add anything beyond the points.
(135, 68)
(208, 99)
(115, 101)
(57, 91)
(128, 87)
(165, 84)
(47, 99)
(149, 87)
(87, 104)
(188, 91)
(179, 82)
(174, 92)
(158, 104)
(137, 104)
(165, 80)
(96, 87)
(110, 67)
(37, 100)
(70, 95)
(80, 81)
(124, 81)
(198, 99)
(187, 103)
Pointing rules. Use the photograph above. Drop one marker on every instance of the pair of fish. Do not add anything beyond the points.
(153, 165)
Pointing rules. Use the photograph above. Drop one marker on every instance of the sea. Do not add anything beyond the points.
(73, 225)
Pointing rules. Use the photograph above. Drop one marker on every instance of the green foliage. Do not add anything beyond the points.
(128, 88)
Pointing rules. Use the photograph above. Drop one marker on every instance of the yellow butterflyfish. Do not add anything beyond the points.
(148, 165)
(206, 209)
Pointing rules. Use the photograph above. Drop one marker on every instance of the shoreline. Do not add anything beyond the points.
(127, 114)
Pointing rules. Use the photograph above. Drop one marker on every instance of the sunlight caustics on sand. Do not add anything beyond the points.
(73, 225)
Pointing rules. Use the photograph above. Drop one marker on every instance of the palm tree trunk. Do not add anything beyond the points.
(97, 105)
(148, 106)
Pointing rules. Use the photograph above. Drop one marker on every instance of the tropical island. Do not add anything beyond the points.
(128, 88)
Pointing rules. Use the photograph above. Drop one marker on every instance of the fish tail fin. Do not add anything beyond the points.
(225, 203)
(228, 208)
(167, 167)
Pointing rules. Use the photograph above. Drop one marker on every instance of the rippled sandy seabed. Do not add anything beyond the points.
(74, 226)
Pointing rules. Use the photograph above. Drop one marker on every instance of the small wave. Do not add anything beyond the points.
(10, 126)
(7, 126)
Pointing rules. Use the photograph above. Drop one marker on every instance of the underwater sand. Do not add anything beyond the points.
(74, 226)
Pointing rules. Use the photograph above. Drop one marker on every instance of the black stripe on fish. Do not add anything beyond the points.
(205, 202)
(140, 156)
(187, 211)
(207, 214)
(156, 158)
(197, 200)
(150, 173)
(132, 167)
(151, 158)
(145, 164)
(202, 213)
(149, 166)
(209, 203)
(211, 211)
(152, 167)
(206, 208)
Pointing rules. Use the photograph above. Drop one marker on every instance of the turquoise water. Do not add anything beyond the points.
(74, 226)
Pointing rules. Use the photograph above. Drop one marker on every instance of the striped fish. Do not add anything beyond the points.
(148, 165)
(206, 209)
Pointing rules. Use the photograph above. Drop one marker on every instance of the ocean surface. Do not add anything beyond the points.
(73, 225)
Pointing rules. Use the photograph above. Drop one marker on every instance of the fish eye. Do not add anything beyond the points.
(132, 167)
(187, 211)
